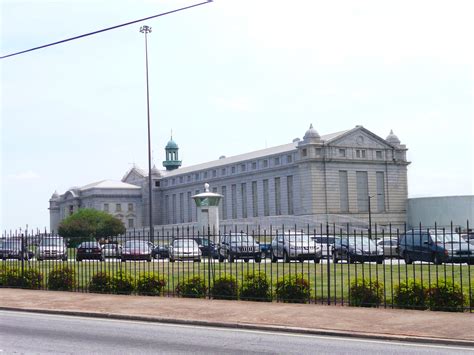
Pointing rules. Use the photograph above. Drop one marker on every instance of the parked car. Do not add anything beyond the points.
(52, 248)
(89, 251)
(356, 249)
(111, 250)
(292, 246)
(208, 248)
(239, 246)
(184, 249)
(160, 252)
(436, 246)
(325, 243)
(389, 247)
(265, 250)
(13, 249)
(136, 250)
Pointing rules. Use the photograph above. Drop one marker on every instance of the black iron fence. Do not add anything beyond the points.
(420, 268)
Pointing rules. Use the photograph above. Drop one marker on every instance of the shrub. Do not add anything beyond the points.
(445, 295)
(256, 287)
(192, 288)
(122, 283)
(11, 277)
(411, 294)
(365, 293)
(225, 288)
(471, 300)
(32, 279)
(293, 289)
(61, 279)
(150, 285)
(101, 283)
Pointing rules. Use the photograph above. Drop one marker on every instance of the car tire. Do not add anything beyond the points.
(78, 259)
(407, 259)
(379, 261)
(230, 258)
(286, 258)
(197, 260)
(64, 259)
(38, 259)
(258, 260)
(263, 255)
(122, 260)
(437, 259)
(317, 260)
(221, 258)
(274, 258)
(335, 260)
(172, 260)
(246, 260)
(148, 260)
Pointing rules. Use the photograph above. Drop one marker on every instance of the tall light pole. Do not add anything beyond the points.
(146, 30)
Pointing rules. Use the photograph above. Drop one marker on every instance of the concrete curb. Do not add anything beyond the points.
(250, 326)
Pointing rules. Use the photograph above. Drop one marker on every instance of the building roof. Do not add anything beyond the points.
(109, 184)
(246, 156)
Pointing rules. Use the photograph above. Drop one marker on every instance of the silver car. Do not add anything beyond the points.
(389, 247)
(184, 249)
(295, 247)
(52, 248)
(111, 250)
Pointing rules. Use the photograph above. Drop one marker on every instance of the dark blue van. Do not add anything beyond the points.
(436, 246)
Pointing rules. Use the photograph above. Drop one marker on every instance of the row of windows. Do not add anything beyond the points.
(343, 153)
(362, 186)
(118, 207)
(239, 168)
(239, 201)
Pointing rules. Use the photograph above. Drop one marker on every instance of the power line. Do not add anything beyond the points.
(104, 30)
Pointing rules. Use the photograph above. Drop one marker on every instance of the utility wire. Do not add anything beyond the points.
(104, 30)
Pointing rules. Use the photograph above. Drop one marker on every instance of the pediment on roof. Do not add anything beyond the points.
(359, 137)
(133, 175)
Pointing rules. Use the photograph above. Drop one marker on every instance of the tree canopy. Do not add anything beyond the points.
(90, 224)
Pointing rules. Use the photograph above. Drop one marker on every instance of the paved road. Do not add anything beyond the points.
(40, 334)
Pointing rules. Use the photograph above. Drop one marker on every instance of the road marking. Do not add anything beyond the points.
(254, 331)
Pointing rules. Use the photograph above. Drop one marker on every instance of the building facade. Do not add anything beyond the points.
(331, 178)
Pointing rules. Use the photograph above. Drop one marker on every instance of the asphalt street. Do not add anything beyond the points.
(22, 333)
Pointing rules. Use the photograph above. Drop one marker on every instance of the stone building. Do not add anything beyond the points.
(319, 179)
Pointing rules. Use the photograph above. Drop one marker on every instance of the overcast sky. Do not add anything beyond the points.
(228, 77)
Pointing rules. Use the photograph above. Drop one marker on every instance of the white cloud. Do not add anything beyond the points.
(25, 175)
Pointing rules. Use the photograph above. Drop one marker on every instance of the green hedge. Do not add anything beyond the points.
(150, 284)
(365, 293)
(293, 289)
(256, 287)
(194, 287)
(122, 283)
(225, 288)
(446, 295)
(101, 283)
(62, 279)
(411, 294)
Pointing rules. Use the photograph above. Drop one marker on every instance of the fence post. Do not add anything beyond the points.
(328, 268)
(208, 264)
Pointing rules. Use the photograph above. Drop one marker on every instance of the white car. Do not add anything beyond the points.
(295, 247)
(52, 248)
(184, 249)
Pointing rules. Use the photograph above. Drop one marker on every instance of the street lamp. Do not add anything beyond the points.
(370, 215)
(146, 30)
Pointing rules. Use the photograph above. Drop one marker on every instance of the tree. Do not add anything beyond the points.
(89, 224)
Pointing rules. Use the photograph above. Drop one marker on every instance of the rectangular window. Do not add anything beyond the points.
(254, 199)
(362, 191)
(289, 159)
(289, 191)
(173, 181)
(265, 163)
(130, 207)
(378, 154)
(157, 184)
(357, 153)
(106, 207)
(342, 153)
(304, 152)
(223, 171)
(71, 209)
(214, 173)
(343, 191)
(167, 209)
(243, 190)
(277, 196)
(277, 161)
(130, 223)
(243, 167)
(380, 191)
(173, 205)
(181, 207)
(266, 202)
(196, 176)
(254, 165)
(189, 178)
(181, 179)
(205, 175)
(190, 203)
(318, 152)
(224, 202)
(364, 155)
(234, 201)
(233, 170)
(118, 207)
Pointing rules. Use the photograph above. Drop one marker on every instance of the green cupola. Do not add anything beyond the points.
(172, 161)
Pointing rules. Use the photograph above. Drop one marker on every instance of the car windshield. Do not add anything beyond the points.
(242, 239)
(324, 240)
(109, 246)
(299, 238)
(136, 244)
(52, 242)
(359, 242)
(183, 243)
(88, 245)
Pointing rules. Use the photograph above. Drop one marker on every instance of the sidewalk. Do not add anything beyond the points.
(404, 325)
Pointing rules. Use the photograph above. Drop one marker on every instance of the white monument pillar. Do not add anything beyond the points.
(207, 204)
